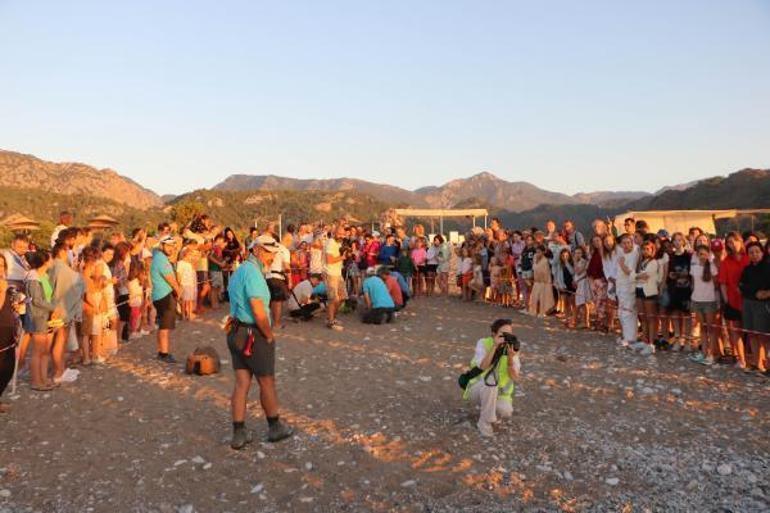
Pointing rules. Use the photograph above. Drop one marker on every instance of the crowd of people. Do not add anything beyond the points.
(687, 292)
(77, 300)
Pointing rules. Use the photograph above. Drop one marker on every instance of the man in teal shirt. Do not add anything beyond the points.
(165, 291)
(251, 342)
(379, 303)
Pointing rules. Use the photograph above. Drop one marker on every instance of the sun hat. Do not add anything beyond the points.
(266, 242)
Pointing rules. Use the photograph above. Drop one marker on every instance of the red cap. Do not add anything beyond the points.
(717, 245)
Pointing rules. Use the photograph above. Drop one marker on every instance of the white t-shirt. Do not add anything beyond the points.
(432, 255)
(332, 249)
(316, 261)
(302, 290)
(281, 261)
(631, 260)
(703, 291)
(466, 265)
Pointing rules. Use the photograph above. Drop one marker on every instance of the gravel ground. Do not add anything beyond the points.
(381, 427)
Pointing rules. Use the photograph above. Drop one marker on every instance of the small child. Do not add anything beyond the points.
(477, 283)
(495, 279)
(405, 266)
(136, 276)
(185, 274)
(466, 274)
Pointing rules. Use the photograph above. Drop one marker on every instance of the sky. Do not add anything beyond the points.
(571, 96)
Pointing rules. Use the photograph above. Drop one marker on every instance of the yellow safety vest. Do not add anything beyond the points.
(505, 386)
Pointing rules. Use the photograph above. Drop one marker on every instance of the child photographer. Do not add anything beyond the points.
(492, 375)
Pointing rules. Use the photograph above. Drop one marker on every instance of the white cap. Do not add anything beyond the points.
(168, 239)
(266, 242)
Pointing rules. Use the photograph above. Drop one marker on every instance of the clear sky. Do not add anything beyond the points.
(571, 96)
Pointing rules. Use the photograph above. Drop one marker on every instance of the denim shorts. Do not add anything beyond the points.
(703, 307)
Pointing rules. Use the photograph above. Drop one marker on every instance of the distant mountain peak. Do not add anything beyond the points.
(29, 172)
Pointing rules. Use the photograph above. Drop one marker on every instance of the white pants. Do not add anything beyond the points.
(627, 313)
(486, 397)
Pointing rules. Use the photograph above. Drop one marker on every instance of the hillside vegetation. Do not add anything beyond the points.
(29, 172)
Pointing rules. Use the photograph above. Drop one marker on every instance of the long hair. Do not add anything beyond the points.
(707, 276)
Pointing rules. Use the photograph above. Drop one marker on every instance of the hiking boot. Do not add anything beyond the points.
(241, 437)
(278, 432)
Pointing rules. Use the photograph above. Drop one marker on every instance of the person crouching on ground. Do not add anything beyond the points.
(495, 400)
(394, 289)
(303, 302)
(379, 305)
(251, 342)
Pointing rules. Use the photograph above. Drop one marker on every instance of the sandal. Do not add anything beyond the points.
(44, 388)
(5, 407)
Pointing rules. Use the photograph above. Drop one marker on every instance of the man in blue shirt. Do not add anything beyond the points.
(251, 342)
(379, 303)
(165, 292)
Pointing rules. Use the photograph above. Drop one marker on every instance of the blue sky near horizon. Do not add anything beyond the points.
(570, 96)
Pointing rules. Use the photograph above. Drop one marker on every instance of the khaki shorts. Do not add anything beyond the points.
(335, 288)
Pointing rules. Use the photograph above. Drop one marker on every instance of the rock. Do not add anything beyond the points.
(258, 488)
(5, 493)
(260, 455)
(725, 469)
(308, 466)
(648, 391)
(198, 460)
(179, 462)
(707, 467)
(409, 483)
(207, 466)
(676, 391)
(568, 475)
(185, 508)
(612, 481)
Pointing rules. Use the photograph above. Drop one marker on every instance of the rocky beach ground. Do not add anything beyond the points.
(381, 427)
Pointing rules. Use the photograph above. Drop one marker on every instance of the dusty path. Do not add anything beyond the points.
(382, 428)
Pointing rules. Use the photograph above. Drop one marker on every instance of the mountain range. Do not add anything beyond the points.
(517, 202)
(483, 188)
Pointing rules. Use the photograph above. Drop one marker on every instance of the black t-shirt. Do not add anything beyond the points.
(679, 264)
(527, 256)
(755, 277)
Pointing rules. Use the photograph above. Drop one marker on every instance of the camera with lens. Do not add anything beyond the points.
(511, 343)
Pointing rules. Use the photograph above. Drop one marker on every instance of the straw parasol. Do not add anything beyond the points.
(20, 223)
(101, 222)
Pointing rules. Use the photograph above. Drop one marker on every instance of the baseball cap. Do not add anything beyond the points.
(371, 270)
(717, 245)
(663, 233)
(168, 239)
(266, 242)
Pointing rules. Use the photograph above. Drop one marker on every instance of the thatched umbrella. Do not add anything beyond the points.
(102, 222)
(20, 223)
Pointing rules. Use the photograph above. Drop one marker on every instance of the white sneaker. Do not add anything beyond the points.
(638, 346)
(135, 335)
(620, 342)
(647, 350)
(144, 333)
(486, 429)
